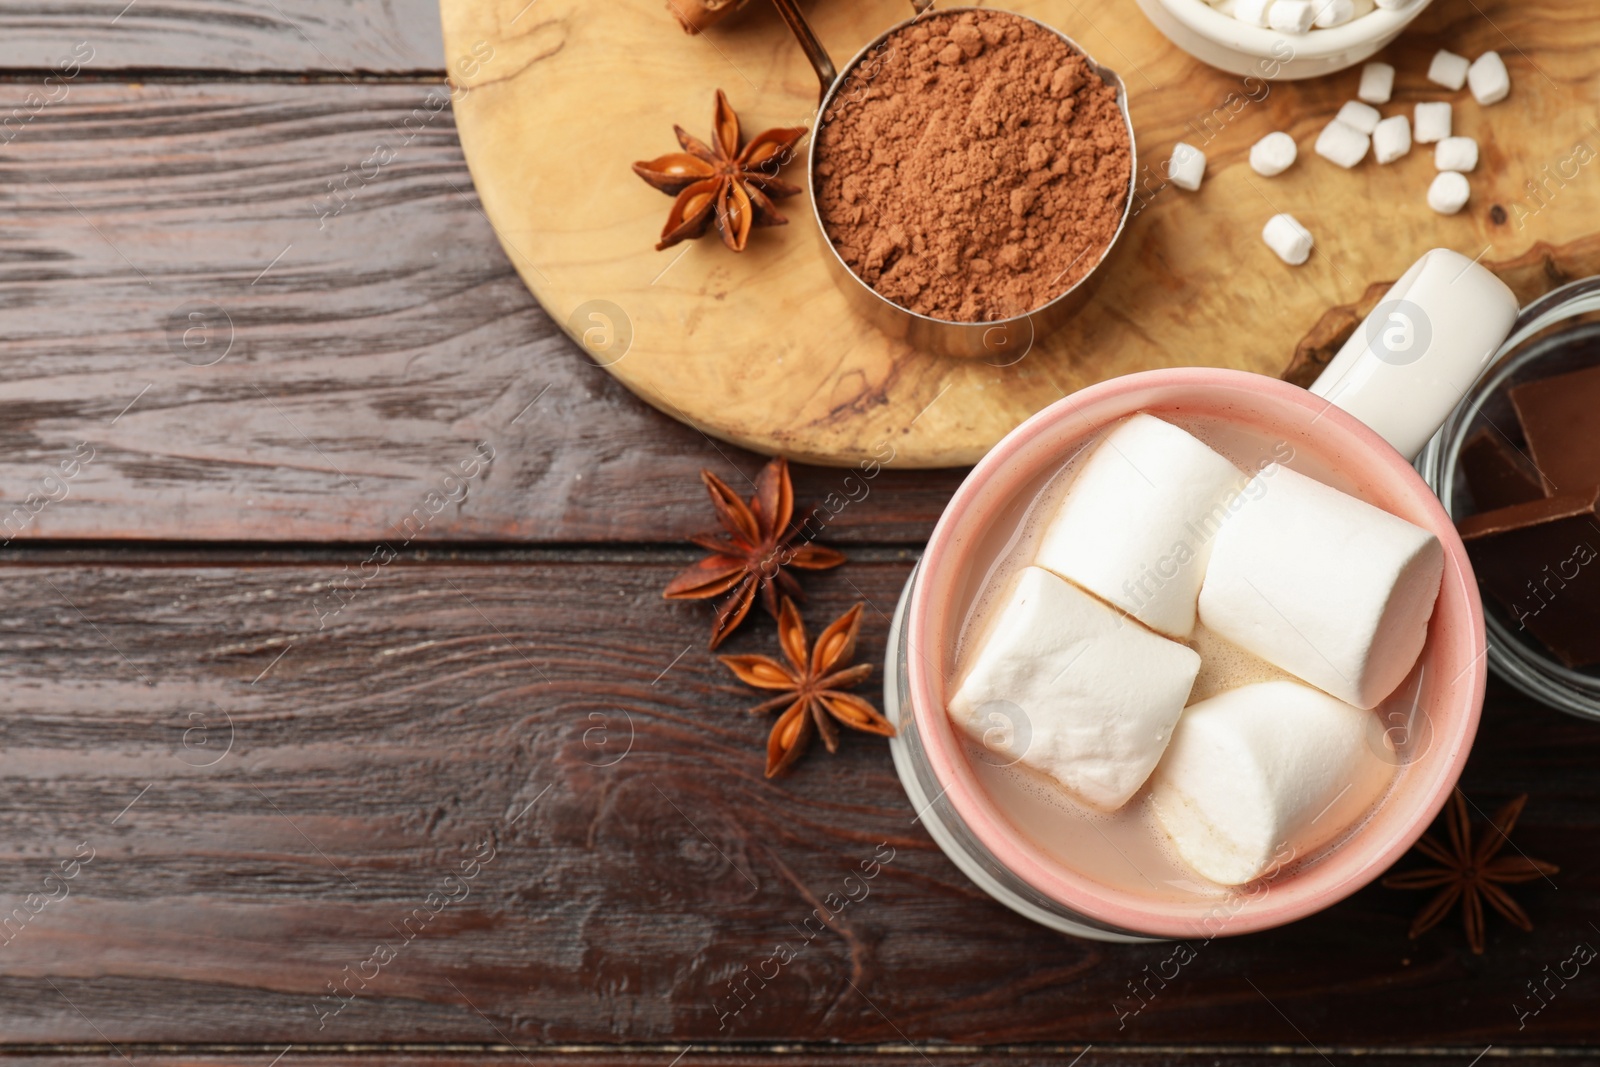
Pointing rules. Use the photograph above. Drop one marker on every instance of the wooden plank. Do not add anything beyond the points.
(555, 708)
(242, 353)
(792, 1056)
(245, 36)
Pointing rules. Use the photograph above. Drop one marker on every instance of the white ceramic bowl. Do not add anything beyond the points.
(1239, 48)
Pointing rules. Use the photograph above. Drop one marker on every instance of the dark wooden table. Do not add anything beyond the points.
(351, 760)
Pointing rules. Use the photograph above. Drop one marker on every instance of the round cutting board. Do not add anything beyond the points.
(554, 99)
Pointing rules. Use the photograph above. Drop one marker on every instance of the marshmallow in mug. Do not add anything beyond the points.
(1071, 687)
(1325, 586)
(1291, 16)
(1136, 526)
(1259, 776)
(1331, 13)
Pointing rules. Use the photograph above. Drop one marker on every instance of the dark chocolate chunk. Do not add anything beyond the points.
(1497, 473)
(1538, 559)
(1560, 417)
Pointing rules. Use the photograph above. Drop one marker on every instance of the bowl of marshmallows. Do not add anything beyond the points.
(1282, 39)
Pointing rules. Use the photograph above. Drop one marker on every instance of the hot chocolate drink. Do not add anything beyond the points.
(1059, 764)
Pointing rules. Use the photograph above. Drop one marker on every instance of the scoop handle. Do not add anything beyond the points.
(812, 45)
(1418, 352)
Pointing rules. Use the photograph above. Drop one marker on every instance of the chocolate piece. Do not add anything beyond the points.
(1559, 419)
(1538, 559)
(1498, 475)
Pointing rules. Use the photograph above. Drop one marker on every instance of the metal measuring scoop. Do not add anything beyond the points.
(1003, 341)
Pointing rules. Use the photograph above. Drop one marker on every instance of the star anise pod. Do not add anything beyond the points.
(1472, 875)
(733, 186)
(751, 551)
(811, 683)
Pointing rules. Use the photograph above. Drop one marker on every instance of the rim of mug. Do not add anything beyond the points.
(1333, 877)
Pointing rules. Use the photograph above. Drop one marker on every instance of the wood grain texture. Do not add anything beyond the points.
(230, 884)
(761, 349)
(359, 357)
(228, 37)
(664, 1054)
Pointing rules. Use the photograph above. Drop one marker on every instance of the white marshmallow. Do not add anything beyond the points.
(1187, 166)
(1273, 154)
(1253, 12)
(1377, 83)
(1433, 121)
(1488, 79)
(1395, 5)
(1448, 69)
(1331, 13)
(1074, 689)
(1329, 588)
(1285, 236)
(1449, 192)
(1392, 139)
(1136, 526)
(1359, 116)
(1261, 776)
(1456, 153)
(1291, 16)
(1342, 144)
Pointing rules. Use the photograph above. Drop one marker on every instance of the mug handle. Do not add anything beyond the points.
(1414, 357)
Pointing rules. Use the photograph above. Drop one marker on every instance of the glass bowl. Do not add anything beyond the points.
(1548, 338)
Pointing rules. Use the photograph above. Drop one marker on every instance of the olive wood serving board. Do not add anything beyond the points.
(554, 100)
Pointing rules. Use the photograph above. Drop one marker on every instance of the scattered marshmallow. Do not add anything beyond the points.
(1331, 13)
(1072, 688)
(1187, 166)
(1273, 154)
(1449, 192)
(1330, 588)
(1253, 12)
(1359, 116)
(1343, 144)
(1291, 16)
(1488, 79)
(1456, 153)
(1377, 83)
(1391, 139)
(1433, 121)
(1136, 526)
(1448, 69)
(1260, 776)
(1285, 236)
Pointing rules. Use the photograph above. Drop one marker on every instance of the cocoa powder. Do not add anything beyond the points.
(972, 167)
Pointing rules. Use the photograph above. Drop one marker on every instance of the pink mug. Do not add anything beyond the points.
(1357, 428)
